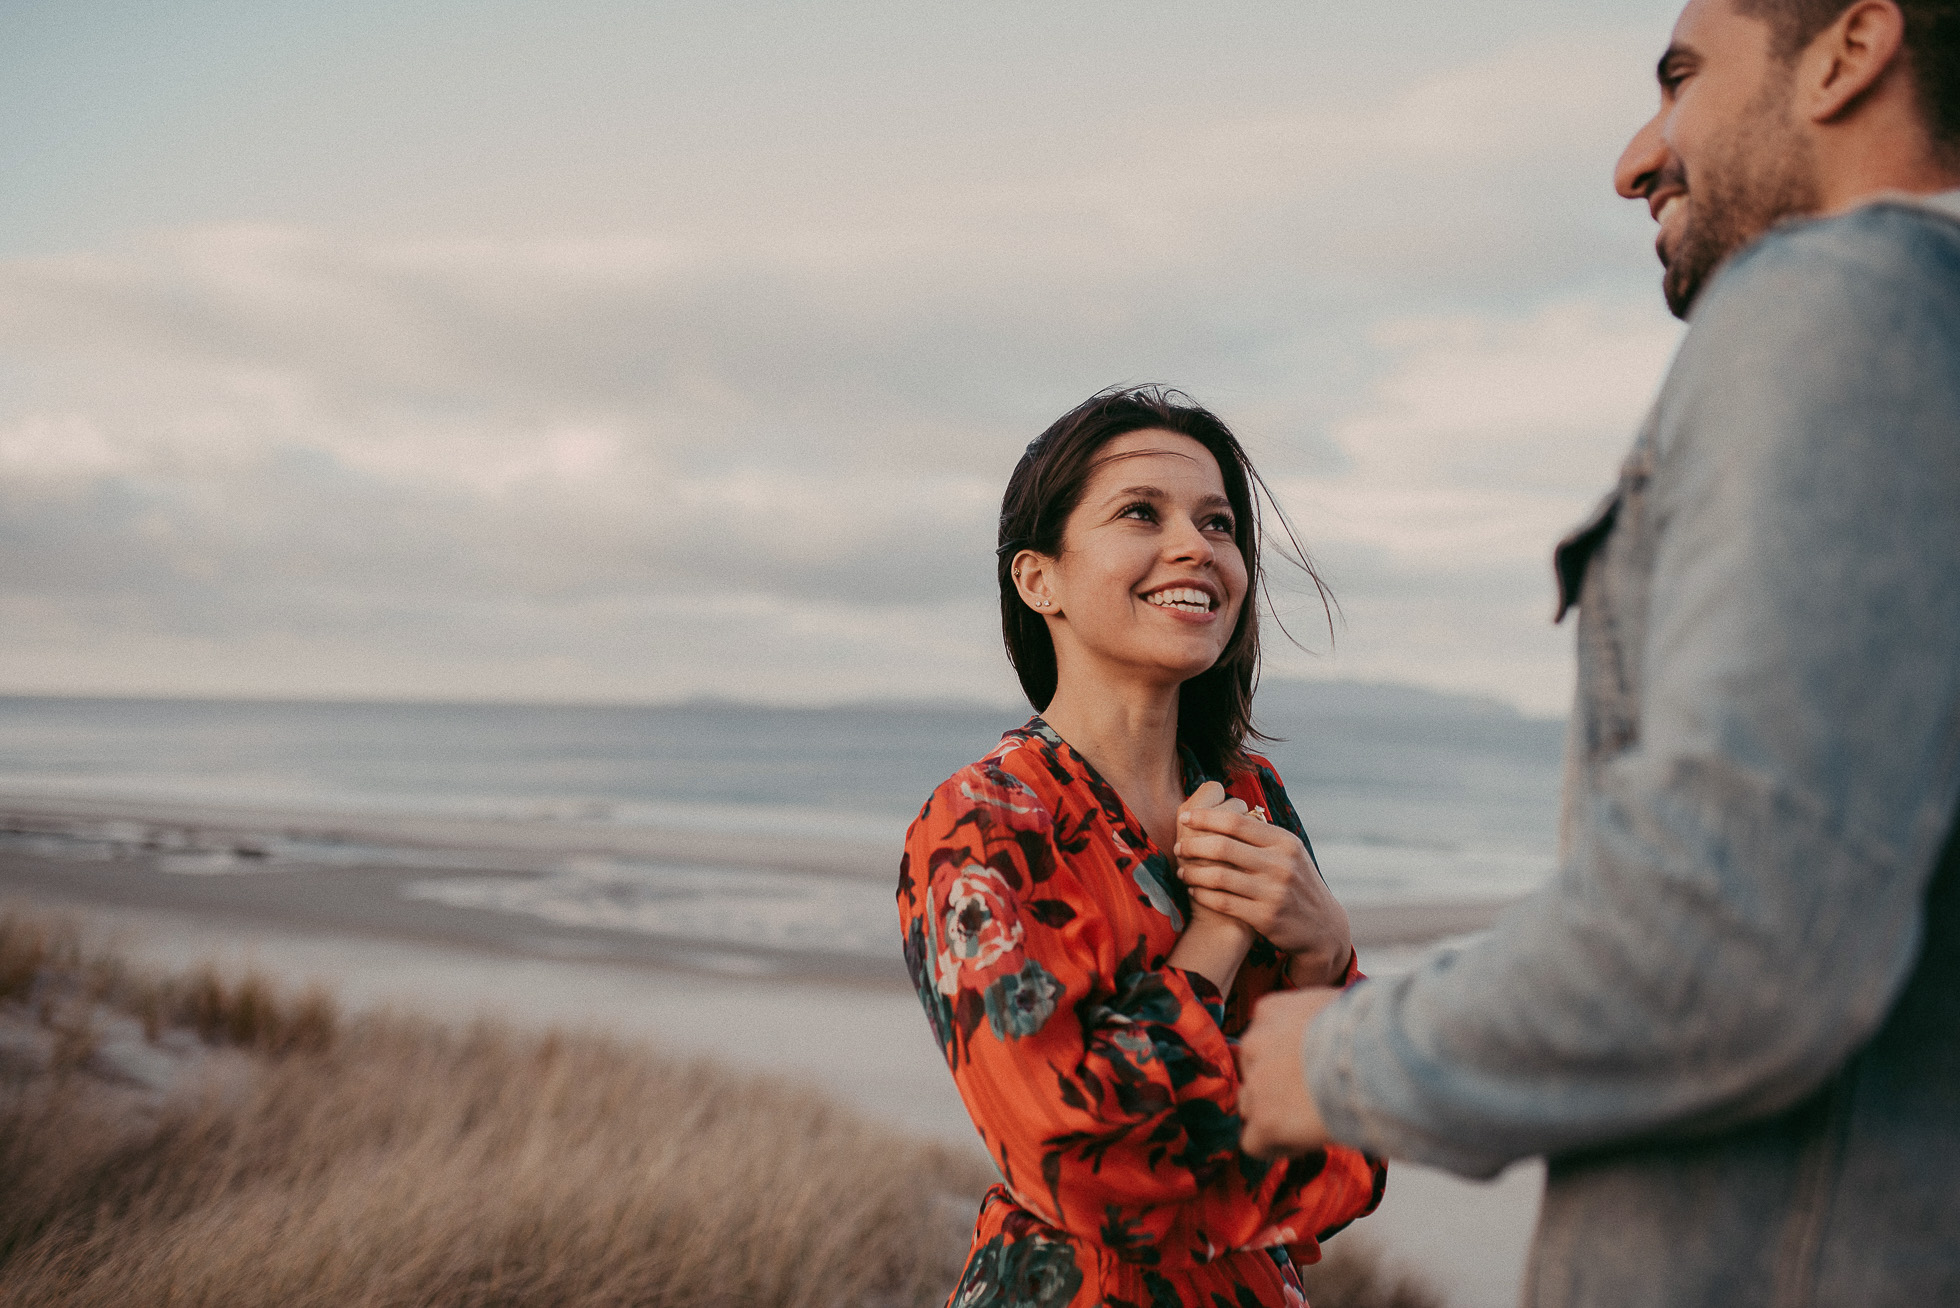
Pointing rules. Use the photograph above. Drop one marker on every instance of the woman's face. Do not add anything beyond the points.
(1150, 578)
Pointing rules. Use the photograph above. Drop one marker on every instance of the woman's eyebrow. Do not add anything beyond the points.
(1155, 493)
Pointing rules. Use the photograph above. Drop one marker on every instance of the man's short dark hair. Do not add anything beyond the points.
(1932, 44)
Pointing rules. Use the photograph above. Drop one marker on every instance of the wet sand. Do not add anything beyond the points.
(551, 832)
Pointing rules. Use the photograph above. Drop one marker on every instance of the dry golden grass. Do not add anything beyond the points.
(384, 1161)
(43, 962)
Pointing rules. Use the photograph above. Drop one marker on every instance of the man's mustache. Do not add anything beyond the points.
(1670, 176)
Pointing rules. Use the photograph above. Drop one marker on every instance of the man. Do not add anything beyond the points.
(1732, 1023)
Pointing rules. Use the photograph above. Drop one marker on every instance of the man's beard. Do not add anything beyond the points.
(1763, 173)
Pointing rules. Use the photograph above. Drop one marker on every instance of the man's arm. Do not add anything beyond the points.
(1744, 897)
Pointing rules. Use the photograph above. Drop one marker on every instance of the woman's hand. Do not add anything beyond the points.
(1261, 875)
(1214, 943)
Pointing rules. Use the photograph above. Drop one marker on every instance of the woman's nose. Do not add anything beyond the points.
(1189, 543)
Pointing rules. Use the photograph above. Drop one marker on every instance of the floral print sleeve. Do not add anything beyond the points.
(1037, 922)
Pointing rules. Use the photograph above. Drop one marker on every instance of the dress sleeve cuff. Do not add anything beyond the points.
(1354, 972)
(1207, 994)
(1349, 975)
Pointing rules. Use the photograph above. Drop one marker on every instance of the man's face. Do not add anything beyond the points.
(1724, 159)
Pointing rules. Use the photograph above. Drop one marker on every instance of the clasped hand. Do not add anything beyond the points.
(1261, 875)
(1251, 874)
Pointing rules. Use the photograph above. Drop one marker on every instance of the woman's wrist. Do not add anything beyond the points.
(1213, 946)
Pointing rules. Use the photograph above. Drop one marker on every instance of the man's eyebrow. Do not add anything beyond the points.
(1664, 69)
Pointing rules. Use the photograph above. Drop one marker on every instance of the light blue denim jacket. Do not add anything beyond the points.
(1732, 1022)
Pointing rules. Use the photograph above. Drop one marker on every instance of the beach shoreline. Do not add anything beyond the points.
(558, 890)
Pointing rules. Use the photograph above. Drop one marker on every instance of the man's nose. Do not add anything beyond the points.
(1641, 162)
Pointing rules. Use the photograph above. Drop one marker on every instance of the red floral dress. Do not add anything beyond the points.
(1037, 918)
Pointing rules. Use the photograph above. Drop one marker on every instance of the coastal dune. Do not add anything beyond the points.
(201, 1138)
(256, 1148)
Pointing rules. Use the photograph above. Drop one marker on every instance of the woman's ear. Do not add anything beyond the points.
(1033, 578)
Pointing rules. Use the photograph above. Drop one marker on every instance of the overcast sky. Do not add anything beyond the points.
(641, 350)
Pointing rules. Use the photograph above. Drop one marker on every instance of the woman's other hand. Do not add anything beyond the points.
(1214, 943)
(1261, 875)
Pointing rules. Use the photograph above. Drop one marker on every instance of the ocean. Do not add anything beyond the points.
(1410, 796)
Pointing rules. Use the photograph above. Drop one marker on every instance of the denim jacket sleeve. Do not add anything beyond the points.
(1744, 866)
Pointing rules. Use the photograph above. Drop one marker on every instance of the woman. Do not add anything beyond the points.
(1090, 911)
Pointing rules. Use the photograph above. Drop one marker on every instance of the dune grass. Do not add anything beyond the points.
(302, 1157)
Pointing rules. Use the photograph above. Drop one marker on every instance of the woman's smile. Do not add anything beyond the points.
(1190, 601)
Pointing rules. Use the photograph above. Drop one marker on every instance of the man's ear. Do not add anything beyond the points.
(1848, 58)
(1031, 572)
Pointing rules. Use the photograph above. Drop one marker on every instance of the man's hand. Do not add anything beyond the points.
(1274, 1102)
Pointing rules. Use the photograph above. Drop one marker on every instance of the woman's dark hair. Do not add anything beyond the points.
(1214, 708)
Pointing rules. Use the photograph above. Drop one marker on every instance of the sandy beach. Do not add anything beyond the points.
(177, 887)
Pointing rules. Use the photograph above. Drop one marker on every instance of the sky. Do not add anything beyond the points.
(605, 351)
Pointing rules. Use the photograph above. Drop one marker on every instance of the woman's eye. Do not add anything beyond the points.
(1141, 511)
(1219, 522)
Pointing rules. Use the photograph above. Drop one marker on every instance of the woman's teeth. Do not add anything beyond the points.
(1191, 601)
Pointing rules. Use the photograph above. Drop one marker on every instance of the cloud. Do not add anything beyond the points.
(1481, 442)
(762, 455)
